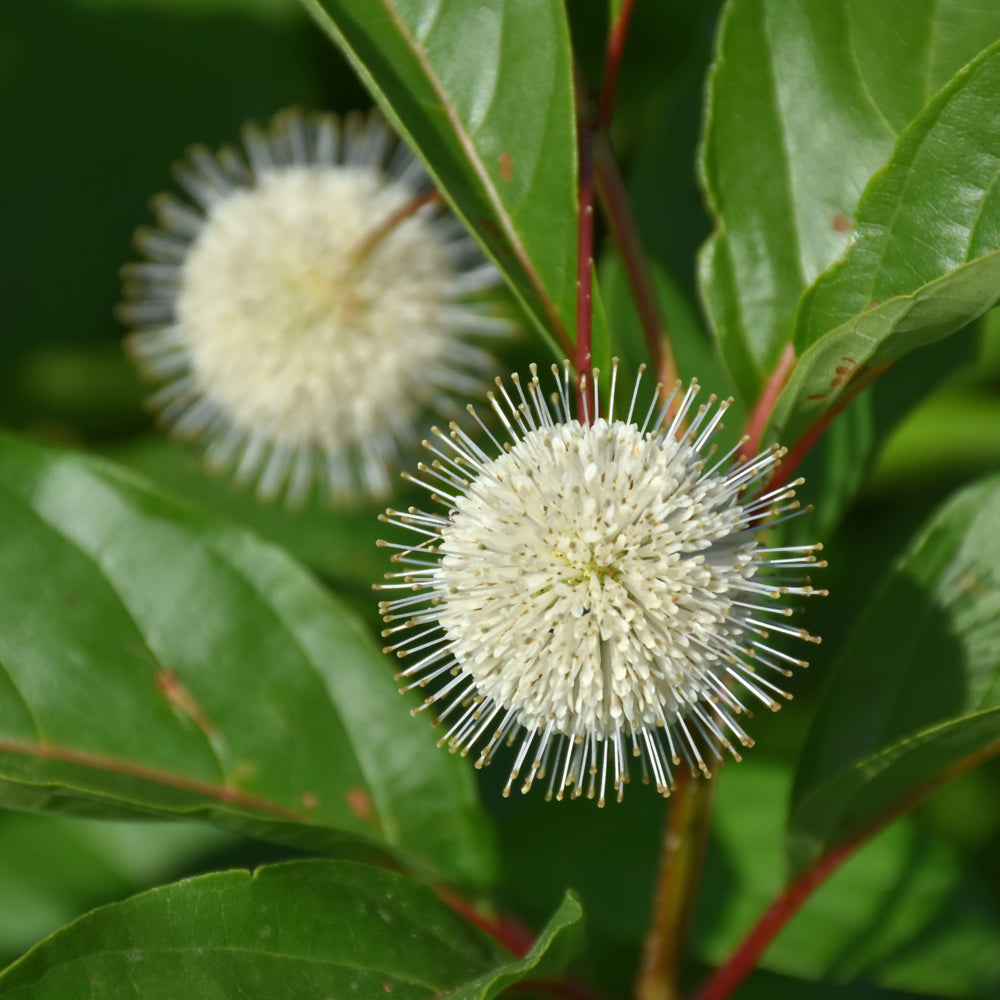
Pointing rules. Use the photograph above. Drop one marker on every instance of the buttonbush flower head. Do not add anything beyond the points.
(592, 591)
(319, 254)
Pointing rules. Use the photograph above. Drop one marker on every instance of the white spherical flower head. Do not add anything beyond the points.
(596, 590)
(321, 255)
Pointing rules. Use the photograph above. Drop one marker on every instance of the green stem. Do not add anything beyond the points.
(685, 838)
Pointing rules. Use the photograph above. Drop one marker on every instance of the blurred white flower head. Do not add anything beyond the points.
(309, 306)
(597, 590)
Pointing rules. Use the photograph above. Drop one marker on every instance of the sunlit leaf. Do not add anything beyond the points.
(484, 92)
(806, 101)
(156, 660)
(924, 258)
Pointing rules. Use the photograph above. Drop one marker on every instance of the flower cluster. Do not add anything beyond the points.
(596, 589)
(320, 254)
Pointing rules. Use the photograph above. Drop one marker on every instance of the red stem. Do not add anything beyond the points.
(757, 421)
(621, 221)
(585, 253)
(512, 934)
(613, 61)
(744, 959)
(804, 445)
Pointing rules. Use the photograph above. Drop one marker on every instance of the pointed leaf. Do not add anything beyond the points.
(804, 105)
(301, 929)
(157, 660)
(924, 258)
(917, 689)
(484, 92)
(558, 944)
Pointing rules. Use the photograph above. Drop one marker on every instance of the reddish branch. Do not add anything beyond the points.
(512, 934)
(757, 421)
(804, 445)
(379, 233)
(613, 61)
(744, 959)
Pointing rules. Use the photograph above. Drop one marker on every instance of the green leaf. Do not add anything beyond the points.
(924, 258)
(155, 660)
(300, 929)
(484, 93)
(558, 944)
(805, 103)
(904, 912)
(916, 691)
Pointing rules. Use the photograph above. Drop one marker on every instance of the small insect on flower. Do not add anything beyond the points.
(597, 589)
(320, 254)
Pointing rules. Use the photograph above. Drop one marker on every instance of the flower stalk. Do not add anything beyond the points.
(685, 839)
(613, 60)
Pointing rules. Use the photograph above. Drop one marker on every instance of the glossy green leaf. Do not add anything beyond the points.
(903, 912)
(484, 92)
(155, 660)
(924, 258)
(805, 103)
(916, 689)
(559, 943)
(294, 930)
